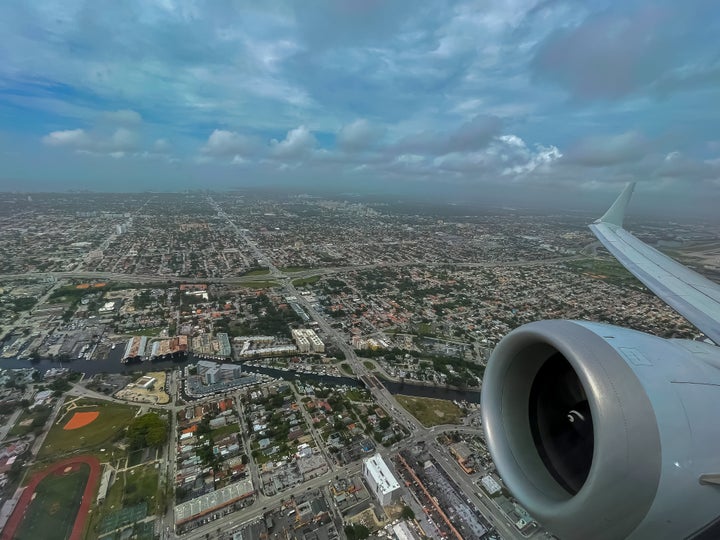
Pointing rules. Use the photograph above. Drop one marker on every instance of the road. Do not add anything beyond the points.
(274, 273)
(417, 432)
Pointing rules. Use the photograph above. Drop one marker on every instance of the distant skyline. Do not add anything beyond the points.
(529, 102)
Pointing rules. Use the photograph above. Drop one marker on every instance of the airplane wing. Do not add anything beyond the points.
(694, 297)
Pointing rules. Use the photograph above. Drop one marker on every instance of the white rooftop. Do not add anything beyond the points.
(380, 472)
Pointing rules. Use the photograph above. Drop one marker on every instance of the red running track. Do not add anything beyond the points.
(90, 488)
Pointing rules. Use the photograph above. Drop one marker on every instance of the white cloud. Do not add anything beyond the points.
(359, 135)
(68, 137)
(297, 143)
(223, 143)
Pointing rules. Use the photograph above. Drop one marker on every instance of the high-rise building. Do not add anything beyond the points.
(382, 482)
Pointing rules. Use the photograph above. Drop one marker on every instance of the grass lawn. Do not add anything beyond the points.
(141, 485)
(112, 421)
(431, 412)
(131, 488)
(355, 394)
(257, 272)
(224, 431)
(39, 417)
(347, 368)
(52, 512)
(149, 332)
(260, 284)
(295, 268)
(368, 364)
(301, 282)
(606, 269)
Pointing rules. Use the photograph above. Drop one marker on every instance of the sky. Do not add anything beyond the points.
(519, 101)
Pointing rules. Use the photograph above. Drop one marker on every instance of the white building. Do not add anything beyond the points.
(490, 485)
(403, 532)
(382, 482)
(308, 341)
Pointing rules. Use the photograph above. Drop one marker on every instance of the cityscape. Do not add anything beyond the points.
(240, 365)
(359, 269)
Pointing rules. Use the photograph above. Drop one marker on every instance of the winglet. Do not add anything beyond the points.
(616, 213)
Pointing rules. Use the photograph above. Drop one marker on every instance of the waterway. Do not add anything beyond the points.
(112, 364)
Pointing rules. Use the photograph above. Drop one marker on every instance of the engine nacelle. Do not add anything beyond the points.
(603, 432)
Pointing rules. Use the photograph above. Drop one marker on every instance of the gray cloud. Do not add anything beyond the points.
(359, 135)
(604, 150)
(472, 135)
(609, 55)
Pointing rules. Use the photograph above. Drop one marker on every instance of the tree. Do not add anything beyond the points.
(148, 430)
(357, 532)
(407, 513)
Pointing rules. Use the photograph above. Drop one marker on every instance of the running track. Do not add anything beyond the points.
(90, 489)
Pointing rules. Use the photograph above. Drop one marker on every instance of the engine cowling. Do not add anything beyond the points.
(603, 432)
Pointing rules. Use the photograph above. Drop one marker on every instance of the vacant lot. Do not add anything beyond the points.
(109, 426)
(431, 412)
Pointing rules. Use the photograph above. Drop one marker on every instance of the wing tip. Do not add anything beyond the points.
(615, 215)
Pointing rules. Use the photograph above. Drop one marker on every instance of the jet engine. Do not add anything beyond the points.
(603, 432)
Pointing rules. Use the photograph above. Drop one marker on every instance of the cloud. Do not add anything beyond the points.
(607, 56)
(676, 165)
(359, 135)
(506, 155)
(69, 137)
(119, 142)
(161, 146)
(472, 135)
(123, 117)
(605, 150)
(222, 143)
(296, 144)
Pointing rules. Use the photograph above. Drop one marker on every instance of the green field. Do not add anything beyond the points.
(141, 486)
(347, 368)
(606, 269)
(431, 412)
(295, 268)
(38, 416)
(149, 332)
(224, 431)
(355, 394)
(260, 284)
(368, 364)
(257, 272)
(108, 427)
(52, 512)
(133, 495)
(301, 282)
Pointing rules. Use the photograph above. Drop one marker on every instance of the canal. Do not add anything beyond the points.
(112, 364)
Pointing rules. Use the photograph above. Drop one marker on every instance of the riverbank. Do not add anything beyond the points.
(112, 364)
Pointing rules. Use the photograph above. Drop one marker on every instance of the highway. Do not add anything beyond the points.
(274, 273)
(417, 432)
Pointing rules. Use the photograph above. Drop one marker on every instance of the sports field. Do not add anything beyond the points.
(70, 431)
(81, 419)
(52, 512)
(56, 501)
